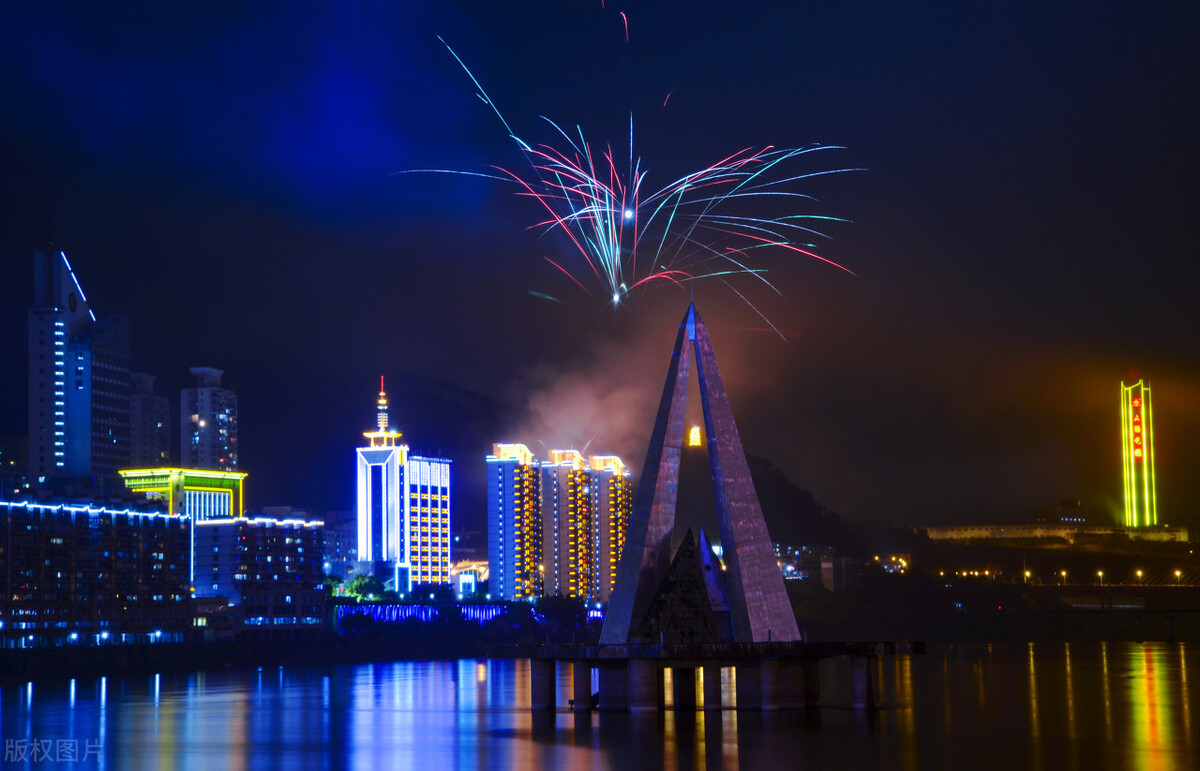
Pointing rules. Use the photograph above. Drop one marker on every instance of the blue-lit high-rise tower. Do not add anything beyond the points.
(402, 508)
(79, 414)
(514, 522)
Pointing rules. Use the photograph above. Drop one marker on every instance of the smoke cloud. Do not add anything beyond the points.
(605, 403)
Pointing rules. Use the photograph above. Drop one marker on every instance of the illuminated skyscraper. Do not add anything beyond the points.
(379, 490)
(403, 508)
(1137, 453)
(78, 382)
(612, 503)
(514, 523)
(427, 514)
(555, 527)
(566, 513)
(208, 423)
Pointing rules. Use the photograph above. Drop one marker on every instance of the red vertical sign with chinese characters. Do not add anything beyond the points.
(1136, 404)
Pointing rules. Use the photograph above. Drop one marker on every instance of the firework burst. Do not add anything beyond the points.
(701, 226)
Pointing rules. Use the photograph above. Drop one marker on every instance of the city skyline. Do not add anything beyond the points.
(1025, 170)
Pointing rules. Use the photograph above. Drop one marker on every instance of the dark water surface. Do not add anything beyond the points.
(1045, 706)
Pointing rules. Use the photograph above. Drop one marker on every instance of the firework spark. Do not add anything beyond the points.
(700, 226)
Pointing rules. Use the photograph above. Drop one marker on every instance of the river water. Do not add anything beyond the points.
(1044, 706)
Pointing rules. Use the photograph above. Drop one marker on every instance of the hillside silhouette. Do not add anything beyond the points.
(792, 514)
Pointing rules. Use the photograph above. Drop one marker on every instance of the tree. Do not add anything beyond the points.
(365, 588)
(569, 612)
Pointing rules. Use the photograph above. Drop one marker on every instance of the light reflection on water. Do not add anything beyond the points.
(1091, 706)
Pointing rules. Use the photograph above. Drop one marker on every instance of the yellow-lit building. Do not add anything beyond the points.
(198, 493)
(566, 512)
(612, 506)
(428, 483)
(555, 527)
(514, 523)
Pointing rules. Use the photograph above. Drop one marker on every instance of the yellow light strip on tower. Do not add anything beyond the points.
(1137, 456)
(1148, 470)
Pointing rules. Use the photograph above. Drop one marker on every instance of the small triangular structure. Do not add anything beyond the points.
(690, 605)
(758, 604)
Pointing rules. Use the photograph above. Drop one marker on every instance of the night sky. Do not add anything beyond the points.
(1024, 237)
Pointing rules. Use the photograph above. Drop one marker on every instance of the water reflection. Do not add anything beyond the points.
(1183, 699)
(1070, 692)
(1052, 706)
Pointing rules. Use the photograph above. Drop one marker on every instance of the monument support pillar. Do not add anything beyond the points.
(860, 681)
(712, 686)
(768, 685)
(812, 682)
(645, 685)
(614, 687)
(581, 690)
(683, 680)
(791, 684)
(749, 686)
(541, 685)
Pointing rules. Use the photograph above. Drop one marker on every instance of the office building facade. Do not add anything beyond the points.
(341, 546)
(271, 569)
(427, 485)
(82, 573)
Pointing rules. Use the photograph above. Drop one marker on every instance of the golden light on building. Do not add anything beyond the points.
(572, 457)
(198, 493)
(694, 439)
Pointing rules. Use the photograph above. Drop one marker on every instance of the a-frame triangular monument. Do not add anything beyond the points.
(758, 602)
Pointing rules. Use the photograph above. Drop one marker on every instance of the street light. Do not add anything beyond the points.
(1139, 575)
(1100, 575)
(1064, 575)
(1178, 573)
